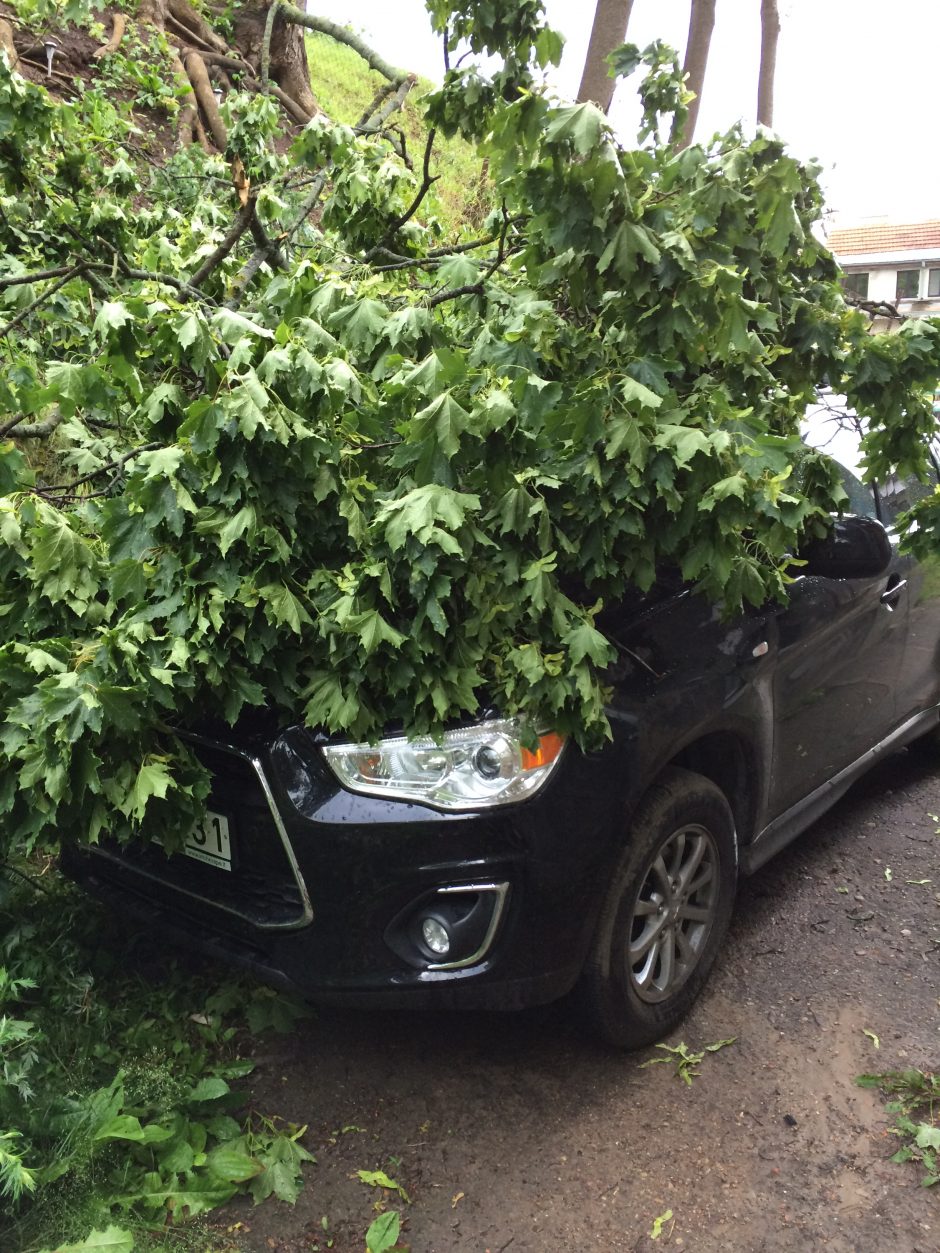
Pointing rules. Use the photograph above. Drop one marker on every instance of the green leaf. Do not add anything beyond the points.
(209, 1089)
(444, 421)
(111, 1240)
(121, 1127)
(283, 608)
(232, 1164)
(112, 315)
(153, 779)
(585, 641)
(232, 326)
(628, 242)
(383, 1232)
(579, 125)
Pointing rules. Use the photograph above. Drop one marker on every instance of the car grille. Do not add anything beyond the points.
(263, 888)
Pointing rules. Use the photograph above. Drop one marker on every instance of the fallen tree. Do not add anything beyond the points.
(302, 454)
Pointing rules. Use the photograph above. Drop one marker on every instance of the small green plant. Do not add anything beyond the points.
(120, 1109)
(659, 1224)
(914, 1100)
(686, 1061)
(379, 1179)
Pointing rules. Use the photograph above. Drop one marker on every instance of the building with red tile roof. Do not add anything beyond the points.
(895, 264)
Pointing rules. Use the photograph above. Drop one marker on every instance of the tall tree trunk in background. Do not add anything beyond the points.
(611, 18)
(701, 25)
(288, 65)
(769, 30)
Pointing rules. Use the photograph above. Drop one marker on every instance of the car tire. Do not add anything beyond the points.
(665, 914)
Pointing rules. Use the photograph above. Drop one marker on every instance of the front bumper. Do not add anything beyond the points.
(327, 885)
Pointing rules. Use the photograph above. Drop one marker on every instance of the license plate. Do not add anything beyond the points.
(210, 842)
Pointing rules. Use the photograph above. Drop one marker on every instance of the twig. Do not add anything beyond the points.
(50, 291)
(427, 182)
(95, 474)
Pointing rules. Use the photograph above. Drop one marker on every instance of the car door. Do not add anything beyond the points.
(918, 686)
(840, 655)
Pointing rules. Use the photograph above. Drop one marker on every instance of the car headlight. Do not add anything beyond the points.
(472, 768)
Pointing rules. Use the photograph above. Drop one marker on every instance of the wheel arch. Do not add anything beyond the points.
(725, 758)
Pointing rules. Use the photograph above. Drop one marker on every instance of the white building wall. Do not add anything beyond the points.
(882, 285)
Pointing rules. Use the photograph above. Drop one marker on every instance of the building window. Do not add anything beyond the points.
(855, 284)
(933, 283)
(908, 284)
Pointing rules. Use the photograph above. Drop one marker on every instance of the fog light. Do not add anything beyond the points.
(435, 936)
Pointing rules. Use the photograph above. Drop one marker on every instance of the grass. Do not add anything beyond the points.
(345, 86)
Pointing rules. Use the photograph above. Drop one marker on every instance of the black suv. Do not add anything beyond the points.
(480, 872)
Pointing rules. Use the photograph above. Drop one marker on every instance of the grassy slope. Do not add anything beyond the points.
(344, 86)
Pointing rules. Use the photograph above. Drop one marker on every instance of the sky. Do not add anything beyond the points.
(855, 83)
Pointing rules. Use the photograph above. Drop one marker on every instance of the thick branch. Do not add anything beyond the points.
(264, 241)
(249, 270)
(306, 208)
(183, 32)
(36, 276)
(769, 33)
(266, 44)
(242, 222)
(118, 27)
(343, 36)
(32, 430)
(290, 104)
(391, 105)
(383, 92)
(189, 112)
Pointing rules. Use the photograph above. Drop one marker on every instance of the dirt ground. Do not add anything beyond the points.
(515, 1132)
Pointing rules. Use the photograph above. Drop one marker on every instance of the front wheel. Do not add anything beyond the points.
(666, 913)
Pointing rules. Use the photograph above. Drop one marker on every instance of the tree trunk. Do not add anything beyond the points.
(701, 24)
(611, 18)
(769, 31)
(152, 13)
(288, 53)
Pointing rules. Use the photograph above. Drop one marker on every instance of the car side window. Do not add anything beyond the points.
(839, 440)
(861, 497)
(899, 495)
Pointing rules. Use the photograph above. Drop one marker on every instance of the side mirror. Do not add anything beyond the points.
(855, 548)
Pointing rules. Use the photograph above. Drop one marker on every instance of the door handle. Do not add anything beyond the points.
(892, 593)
